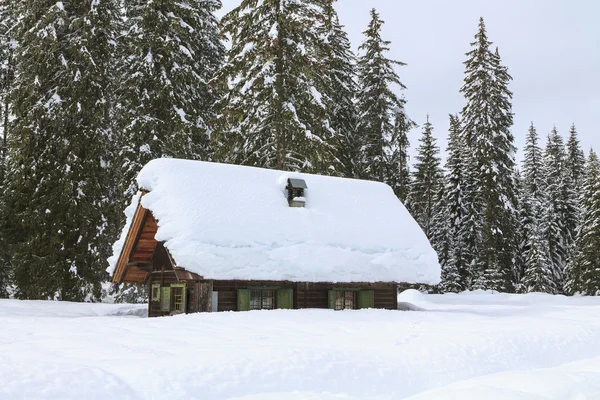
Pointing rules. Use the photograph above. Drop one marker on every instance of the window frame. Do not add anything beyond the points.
(155, 296)
(267, 299)
(176, 287)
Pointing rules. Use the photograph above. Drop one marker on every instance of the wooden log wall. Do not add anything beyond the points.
(306, 294)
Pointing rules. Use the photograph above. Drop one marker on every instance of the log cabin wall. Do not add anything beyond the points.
(227, 300)
(306, 294)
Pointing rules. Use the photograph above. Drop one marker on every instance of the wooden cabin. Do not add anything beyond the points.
(209, 237)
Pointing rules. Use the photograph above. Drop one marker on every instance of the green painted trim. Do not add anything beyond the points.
(165, 295)
(331, 299)
(285, 299)
(243, 300)
(346, 289)
(366, 299)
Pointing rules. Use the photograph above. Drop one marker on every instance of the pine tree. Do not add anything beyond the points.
(523, 216)
(561, 211)
(455, 270)
(7, 49)
(170, 51)
(575, 159)
(399, 174)
(426, 181)
(337, 83)
(380, 109)
(55, 211)
(273, 114)
(583, 271)
(487, 118)
(537, 274)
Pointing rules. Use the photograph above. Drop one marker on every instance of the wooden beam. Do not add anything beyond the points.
(134, 230)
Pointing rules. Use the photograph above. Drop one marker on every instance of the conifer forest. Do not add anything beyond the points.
(92, 90)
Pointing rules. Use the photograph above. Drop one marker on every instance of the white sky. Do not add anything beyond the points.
(551, 47)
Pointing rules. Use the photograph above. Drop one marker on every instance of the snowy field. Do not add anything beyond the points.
(468, 346)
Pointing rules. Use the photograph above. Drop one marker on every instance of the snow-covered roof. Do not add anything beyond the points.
(225, 221)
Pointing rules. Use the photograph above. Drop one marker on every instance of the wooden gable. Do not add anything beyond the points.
(135, 260)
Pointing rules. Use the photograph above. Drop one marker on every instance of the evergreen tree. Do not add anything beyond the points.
(337, 82)
(575, 159)
(399, 174)
(561, 212)
(523, 215)
(273, 113)
(583, 270)
(537, 274)
(487, 118)
(55, 209)
(455, 270)
(427, 180)
(7, 49)
(170, 51)
(380, 109)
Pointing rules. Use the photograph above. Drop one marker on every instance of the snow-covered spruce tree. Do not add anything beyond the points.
(583, 270)
(561, 211)
(427, 179)
(399, 172)
(55, 209)
(487, 118)
(378, 106)
(170, 51)
(575, 159)
(7, 49)
(537, 275)
(273, 114)
(455, 269)
(520, 238)
(337, 83)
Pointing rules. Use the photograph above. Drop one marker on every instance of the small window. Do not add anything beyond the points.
(155, 292)
(262, 299)
(351, 299)
(345, 299)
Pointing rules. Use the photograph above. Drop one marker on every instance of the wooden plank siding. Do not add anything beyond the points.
(306, 294)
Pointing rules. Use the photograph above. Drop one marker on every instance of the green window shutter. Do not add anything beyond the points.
(165, 296)
(331, 299)
(285, 298)
(366, 299)
(243, 300)
(155, 292)
(184, 299)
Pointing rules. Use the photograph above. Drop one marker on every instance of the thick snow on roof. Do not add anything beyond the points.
(225, 221)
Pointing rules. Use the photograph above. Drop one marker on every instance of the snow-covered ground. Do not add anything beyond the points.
(467, 346)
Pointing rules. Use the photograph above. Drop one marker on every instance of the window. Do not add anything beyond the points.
(262, 299)
(351, 299)
(155, 296)
(345, 300)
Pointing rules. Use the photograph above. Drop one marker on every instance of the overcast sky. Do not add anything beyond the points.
(551, 47)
